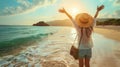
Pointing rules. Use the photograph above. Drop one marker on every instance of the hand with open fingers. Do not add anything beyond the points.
(99, 8)
(62, 10)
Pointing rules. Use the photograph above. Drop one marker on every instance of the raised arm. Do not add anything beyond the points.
(70, 17)
(64, 11)
(98, 9)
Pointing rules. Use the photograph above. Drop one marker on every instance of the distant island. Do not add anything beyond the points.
(41, 23)
(65, 22)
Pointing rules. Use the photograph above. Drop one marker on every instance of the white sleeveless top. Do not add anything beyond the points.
(89, 43)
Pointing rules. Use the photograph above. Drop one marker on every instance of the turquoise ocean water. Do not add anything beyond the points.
(14, 37)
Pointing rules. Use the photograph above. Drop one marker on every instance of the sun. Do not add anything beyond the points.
(74, 11)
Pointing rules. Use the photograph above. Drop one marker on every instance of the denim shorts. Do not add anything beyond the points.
(85, 53)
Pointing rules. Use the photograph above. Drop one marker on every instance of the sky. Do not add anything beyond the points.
(28, 12)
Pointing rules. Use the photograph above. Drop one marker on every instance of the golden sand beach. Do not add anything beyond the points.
(112, 32)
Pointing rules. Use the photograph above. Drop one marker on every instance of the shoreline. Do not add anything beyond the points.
(106, 31)
(112, 32)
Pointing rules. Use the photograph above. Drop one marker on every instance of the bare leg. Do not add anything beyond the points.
(87, 62)
(81, 62)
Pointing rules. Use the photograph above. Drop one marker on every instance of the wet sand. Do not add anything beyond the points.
(54, 52)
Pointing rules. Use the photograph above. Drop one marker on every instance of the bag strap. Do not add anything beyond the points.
(74, 40)
(80, 37)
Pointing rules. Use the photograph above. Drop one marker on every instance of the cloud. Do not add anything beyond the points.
(116, 2)
(24, 6)
(12, 10)
(115, 14)
(116, 10)
(24, 3)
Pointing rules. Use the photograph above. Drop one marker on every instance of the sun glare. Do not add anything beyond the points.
(74, 11)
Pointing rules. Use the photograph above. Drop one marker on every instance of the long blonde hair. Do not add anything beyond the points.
(88, 32)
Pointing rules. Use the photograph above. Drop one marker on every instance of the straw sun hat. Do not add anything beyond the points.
(84, 20)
